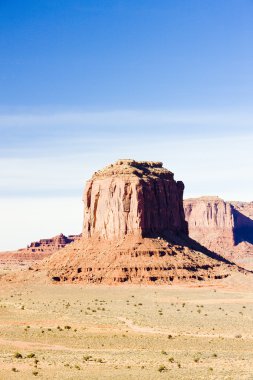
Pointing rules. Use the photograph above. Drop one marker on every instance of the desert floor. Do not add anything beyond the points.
(125, 332)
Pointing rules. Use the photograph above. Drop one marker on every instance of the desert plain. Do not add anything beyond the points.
(133, 296)
(76, 331)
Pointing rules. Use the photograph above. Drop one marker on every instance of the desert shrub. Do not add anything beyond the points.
(162, 368)
(87, 357)
(18, 355)
(31, 355)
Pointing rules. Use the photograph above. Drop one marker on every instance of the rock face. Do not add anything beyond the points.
(224, 227)
(210, 221)
(133, 198)
(243, 221)
(134, 231)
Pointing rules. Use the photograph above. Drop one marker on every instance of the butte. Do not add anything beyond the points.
(134, 231)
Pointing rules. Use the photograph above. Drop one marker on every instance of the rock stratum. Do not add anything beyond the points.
(135, 231)
(40, 249)
(223, 227)
(133, 198)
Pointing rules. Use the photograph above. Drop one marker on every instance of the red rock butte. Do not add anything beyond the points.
(133, 198)
(135, 231)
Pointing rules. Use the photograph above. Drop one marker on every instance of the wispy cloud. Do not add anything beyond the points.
(210, 164)
(120, 118)
(41, 196)
(34, 132)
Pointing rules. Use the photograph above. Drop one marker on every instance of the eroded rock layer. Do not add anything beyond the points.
(135, 231)
(210, 221)
(40, 249)
(223, 227)
(133, 198)
(135, 260)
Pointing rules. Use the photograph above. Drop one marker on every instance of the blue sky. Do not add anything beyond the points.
(84, 83)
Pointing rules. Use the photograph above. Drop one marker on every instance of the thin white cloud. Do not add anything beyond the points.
(220, 165)
(128, 118)
(207, 160)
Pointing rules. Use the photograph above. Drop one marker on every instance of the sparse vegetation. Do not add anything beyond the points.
(31, 355)
(189, 347)
(162, 368)
(18, 355)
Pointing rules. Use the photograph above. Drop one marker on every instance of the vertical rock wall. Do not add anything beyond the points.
(210, 221)
(133, 198)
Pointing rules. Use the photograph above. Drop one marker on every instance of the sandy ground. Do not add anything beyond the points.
(125, 332)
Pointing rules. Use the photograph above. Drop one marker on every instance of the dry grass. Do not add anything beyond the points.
(129, 332)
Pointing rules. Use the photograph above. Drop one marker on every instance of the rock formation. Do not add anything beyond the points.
(223, 227)
(134, 231)
(133, 198)
(243, 221)
(52, 244)
(38, 250)
(210, 221)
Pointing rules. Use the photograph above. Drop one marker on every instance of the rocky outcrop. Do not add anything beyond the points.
(210, 221)
(134, 231)
(38, 250)
(52, 244)
(223, 227)
(133, 198)
(135, 260)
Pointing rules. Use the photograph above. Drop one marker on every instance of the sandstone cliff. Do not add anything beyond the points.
(133, 198)
(210, 221)
(135, 231)
(223, 227)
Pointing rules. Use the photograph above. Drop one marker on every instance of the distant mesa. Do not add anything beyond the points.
(40, 249)
(223, 227)
(135, 231)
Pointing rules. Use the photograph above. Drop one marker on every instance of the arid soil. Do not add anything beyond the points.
(52, 331)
